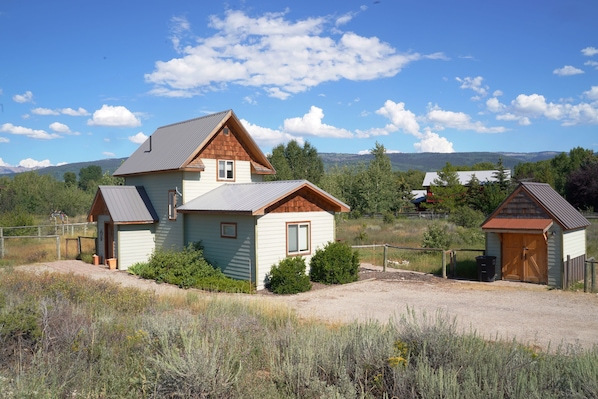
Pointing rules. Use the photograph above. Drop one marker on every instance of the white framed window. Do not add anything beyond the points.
(298, 238)
(226, 170)
(228, 230)
(171, 204)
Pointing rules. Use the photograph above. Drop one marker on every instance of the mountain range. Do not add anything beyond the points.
(425, 161)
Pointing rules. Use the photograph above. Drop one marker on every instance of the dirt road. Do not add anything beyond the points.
(530, 313)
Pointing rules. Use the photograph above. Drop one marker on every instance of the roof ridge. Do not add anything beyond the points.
(195, 119)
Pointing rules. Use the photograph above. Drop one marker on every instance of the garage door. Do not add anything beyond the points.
(525, 258)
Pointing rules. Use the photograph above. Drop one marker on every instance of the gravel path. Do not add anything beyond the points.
(530, 313)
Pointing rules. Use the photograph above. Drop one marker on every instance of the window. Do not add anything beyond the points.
(171, 204)
(226, 170)
(228, 230)
(298, 240)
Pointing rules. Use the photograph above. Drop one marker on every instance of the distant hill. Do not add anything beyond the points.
(425, 161)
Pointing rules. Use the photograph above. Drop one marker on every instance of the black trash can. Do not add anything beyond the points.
(486, 268)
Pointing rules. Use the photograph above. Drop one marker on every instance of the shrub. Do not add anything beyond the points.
(388, 217)
(466, 217)
(288, 276)
(336, 263)
(436, 236)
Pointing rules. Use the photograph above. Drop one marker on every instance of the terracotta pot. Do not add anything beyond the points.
(111, 262)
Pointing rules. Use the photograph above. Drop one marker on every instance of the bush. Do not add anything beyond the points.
(436, 236)
(467, 217)
(388, 217)
(336, 263)
(288, 276)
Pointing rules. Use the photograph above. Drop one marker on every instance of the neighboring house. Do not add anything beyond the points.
(533, 233)
(483, 176)
(202, 180)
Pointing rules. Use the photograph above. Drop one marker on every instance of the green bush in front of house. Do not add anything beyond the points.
(288, 276)
(187, 269)
(336, 263)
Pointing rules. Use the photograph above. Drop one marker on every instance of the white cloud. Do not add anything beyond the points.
(280, 56)
(535, 105)
(522, 120)
(567, 70)
(497, 93)
(114, 116)
(64, 111)
(32, 163)
(458, 120)
(474, 84)
(592, 94)
(44, 111)
(2, 163)
(432, 142)
(109, 154)
(4, 140)
(62, 128)
(139, 138)
(589, 51)
(593, 64)
(400, 117)
(311, 124)
(494, 105)
(26, 97)
(25, 131)
(267, 137)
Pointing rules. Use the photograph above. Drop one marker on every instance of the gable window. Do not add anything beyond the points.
(228, 230)
(298, 238)
(171, 204)
(226, 170)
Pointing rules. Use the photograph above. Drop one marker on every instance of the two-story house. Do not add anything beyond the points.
(203, 180)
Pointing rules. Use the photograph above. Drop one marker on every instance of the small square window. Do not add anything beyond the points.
(226, 170)
(298, 238)
(228, 230)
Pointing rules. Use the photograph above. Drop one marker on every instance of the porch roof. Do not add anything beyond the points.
(514, 225)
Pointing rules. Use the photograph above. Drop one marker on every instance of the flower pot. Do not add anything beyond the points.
(111, 262)
(96, 260)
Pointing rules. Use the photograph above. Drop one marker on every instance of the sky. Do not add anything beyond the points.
(82, 81)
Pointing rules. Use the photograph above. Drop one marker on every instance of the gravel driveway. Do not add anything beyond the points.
(530, 313)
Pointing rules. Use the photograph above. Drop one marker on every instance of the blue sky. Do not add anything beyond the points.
(82, 81)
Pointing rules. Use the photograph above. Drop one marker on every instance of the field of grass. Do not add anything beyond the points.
(63, 336)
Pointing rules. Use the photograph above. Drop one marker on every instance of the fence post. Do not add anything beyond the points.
(443, 263)
(1, 246)
(384, 260)
(586, 275)
(58, 247)
(593, 268)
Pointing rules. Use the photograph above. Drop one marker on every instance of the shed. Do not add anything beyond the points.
(533, 232)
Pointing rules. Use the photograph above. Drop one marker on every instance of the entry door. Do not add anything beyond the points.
(108, 240)
(525, 258)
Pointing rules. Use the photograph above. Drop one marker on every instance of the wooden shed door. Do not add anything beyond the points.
(525, 258)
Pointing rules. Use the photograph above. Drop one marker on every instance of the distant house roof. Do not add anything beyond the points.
(254, 198)
(465, 176)
(549, 200)
(418, 196)
(175, 147)
(124, 204)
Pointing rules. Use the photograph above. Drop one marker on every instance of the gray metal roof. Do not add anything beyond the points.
(465, 176)
(128, 204)
(561, 210)
(171, 146)
(252, 197)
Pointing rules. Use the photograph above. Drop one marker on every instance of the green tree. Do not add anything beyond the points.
(379, 182)
(293, 162)
(70, 179)
(89, 177)
(448, 192)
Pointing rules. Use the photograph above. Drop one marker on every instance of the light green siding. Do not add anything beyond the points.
(234, 256)
(199, 183)
(136, 244)
(574, 243)
(169, 233)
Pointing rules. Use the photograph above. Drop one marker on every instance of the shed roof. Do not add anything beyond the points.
(551, 201)
(173, 147)
(465, 176)
(125, 204)
(501, 225)
(253, 198)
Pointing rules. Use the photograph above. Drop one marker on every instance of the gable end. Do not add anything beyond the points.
(521, 205)
(300, 201)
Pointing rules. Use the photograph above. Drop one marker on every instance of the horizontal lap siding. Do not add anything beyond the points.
(493, 248)
(574, 243)
(136, 244)
(555, 256)
(169, 233)
(234, 256)
(199, 183)
(272, 233)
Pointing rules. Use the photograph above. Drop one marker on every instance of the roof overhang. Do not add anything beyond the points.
(527, 226)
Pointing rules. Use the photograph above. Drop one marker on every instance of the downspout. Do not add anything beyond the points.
(255, 252)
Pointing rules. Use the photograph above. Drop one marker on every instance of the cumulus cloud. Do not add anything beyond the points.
(25, 131)
(474, 84)
(109, 154)
(567, 70)
(593, 64)
(62, 128)
(63, 111)
(432, 142)
(494, 105)
(26, 97)
(114, 116)
(458, 120)
(2, 163)
(139, 138)
(592, 94)
(4, 140)
(269, 137)
(280, 56)
(32, 163)
(311, 124)
(589, 51)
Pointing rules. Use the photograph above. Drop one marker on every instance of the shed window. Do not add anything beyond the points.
(171, 204)
(226, 170)
(228, 230)
(298, 238)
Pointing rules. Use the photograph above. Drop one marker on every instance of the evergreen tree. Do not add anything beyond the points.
(293, 162)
